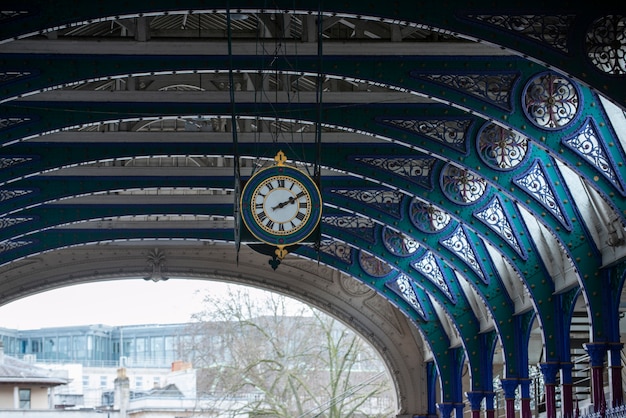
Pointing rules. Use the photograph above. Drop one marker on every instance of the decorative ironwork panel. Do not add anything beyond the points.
(494, 216)
(7, 222)
(402, 285)
(428, 218)
(429, 267)
(501, 148)
(417, 170)
(551, 30)
(337, 250)
(588, 143)
(492, 88)
(6, 76)
(11, 14)
(374, 266)
(461, 246)
(8, 122)
(606, 44)
(535, 182)
(387, 201)
(551, 101)
(398, 243)
(462, 186)
(11, 194)
(9, 162)
(451, 132)
(356, 225)
(11, 245)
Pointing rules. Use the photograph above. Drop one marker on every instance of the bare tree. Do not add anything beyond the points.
(274, 357)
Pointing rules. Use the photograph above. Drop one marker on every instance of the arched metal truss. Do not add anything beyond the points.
(472, 158)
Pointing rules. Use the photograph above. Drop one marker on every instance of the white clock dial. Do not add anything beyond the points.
(281, 205)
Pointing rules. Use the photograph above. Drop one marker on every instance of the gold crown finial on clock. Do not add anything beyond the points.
(280, 158)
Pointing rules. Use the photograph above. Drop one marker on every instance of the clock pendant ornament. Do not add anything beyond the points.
(281, 205)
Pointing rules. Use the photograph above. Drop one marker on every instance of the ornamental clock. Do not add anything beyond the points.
(281, 205)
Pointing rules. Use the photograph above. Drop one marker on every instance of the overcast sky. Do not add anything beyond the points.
(119, 302)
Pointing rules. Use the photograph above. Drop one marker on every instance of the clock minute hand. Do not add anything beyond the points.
(289, 201)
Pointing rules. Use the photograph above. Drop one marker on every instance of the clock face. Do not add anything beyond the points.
(281, 205)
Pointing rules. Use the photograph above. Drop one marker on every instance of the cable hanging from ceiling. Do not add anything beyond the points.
(236, 156)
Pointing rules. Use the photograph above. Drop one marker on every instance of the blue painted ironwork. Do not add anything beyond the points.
(416, 169)
(429, 267)
(8, 76)
(591, 147)
(6, 162)
(356, 225)
(500, 148)
(458, 243)
(8, 194)
(461, 186)
(9, 221)
(6, 246)
(494, 88)
(535, 183)
(402, 285)
(6, 123)
(427, 217)
(336, 249)
(551, 101)
(398, 243)
(373, 265)
(605, 44)
(552, 30)
(494, 216)
(387, 201)
(450, 132)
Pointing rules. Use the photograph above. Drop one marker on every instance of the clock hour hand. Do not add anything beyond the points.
(289, 201)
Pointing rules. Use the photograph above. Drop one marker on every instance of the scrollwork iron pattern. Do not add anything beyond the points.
(9, 162)
(8, 122)
(451, 132)
(428, 266)
(374, 266)
(549, 29)
(501, 148)
(428, 218)
(462, 186)
(417, 170)
(399, 244)
(337, 250)
(387, 201)
(494, 216)
(10, 14)
(405, 288)
(492, 88)
(551, 101)
(6, 76)
(12, 194)
(588, 144)
(606, 44)
(355, 225)
(535, 183)
(7, 222)
(461, 246)
(11, 245)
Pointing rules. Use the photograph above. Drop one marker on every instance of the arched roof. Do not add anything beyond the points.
(471, 158)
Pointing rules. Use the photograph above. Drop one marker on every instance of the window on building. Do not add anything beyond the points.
(24, 398)
(86, 381)
(103, 381)
(157, 382)
(139, 382)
